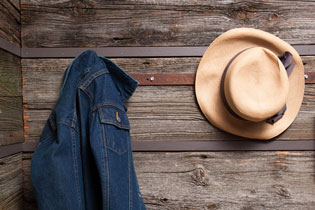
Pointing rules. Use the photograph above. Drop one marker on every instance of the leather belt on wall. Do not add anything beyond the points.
(163, 79)
(128, 52)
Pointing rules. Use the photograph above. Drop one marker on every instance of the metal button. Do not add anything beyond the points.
(117, 117)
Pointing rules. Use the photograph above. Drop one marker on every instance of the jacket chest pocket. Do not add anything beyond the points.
(115, 128)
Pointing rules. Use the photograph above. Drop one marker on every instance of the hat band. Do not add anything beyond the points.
(287, 60)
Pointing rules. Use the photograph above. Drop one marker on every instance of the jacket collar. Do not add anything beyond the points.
(123, 81)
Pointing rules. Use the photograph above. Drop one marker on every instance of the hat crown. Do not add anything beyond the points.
(224, 51)
(256, 84)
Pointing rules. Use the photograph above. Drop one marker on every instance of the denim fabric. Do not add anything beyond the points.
(84, 157)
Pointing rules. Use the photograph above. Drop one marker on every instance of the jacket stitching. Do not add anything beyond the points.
(75, 165)
(52, 124)
(44, 142)
(130, 188)
(107, 104)
(122, 73)
(103, 139)
(74, 119)
(75, 129)
(107, 180)
(66, 123)
(116, 124)
(110, 122)
(45, 139)
(51, 133)
(81, 76)
(119, 153)
(88, 94)
(63, 122)
(105, 168)
(92, 77)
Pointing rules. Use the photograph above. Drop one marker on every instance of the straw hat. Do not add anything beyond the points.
(250, 83)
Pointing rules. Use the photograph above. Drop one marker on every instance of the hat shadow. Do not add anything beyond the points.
(231, 142)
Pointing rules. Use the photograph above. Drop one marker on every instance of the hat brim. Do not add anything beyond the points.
(209, 74)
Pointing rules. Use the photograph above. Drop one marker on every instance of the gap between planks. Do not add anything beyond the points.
(183, 146)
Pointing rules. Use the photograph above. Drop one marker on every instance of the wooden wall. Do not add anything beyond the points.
(11, 110)
(175, 180)
(11, 182)
(11, 122)
(73, 23)
(10, 24)
(219, 180)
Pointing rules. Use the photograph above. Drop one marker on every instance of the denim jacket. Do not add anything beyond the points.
(84, 157)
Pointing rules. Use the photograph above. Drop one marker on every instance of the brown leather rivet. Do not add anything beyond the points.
(117, 117)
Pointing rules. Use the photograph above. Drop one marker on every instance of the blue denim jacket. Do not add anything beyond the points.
(84, 157)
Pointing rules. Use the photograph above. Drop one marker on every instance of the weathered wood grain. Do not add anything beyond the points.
(156, 113)
(158, 22)
(140, 65)
(42, 81)
(11, 122)
(10, 74)
(309, 63)
(11, 182)
(28, 196)
(218, 180)
(15, 3)
(10, 21)
(171, 113)
(134, 65)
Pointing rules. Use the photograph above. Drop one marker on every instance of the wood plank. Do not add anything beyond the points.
(309, 63)
(15, 3)
(10, 74)
(97, 23)
(131, 52)
(135, 65)
(11, 182)
(218, 180)
(168, 113)
(156, 113)
(29, 194)
(11, 122)
(139, 65)
(10, 21)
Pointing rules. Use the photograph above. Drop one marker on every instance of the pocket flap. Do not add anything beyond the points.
(113, 115)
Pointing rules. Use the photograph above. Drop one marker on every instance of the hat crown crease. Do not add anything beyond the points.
(255, 84)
